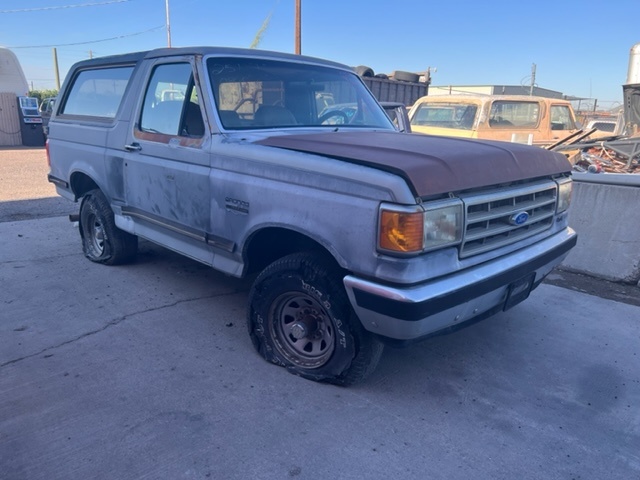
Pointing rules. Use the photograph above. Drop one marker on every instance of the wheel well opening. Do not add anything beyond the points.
(81, 184)
(267, 245)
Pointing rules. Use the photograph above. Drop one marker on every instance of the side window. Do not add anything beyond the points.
(97, 93)
(506, 114)
(561, 118)
(445, 115)
(171, 104)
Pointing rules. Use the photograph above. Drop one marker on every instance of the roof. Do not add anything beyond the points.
(480, 98)
(496, 90)
(203, 51)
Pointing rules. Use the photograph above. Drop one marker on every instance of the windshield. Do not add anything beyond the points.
(445, 115)
(253, 93)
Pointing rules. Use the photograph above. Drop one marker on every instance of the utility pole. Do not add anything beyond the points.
(166, 6)
(55, 68)
(533, 78)
(298, 36)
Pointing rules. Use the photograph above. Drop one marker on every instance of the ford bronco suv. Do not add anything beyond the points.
(358, 234)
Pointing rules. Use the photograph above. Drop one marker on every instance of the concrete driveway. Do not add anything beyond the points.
(147, 371)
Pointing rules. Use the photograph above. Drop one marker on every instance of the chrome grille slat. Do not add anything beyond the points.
(487, 216)
(500, 229)
(479, 217)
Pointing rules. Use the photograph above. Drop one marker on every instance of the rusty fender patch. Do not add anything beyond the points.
(236, 206)
(171, 140)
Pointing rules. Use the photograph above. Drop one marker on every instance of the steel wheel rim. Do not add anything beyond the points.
(96, 234)
(302, 330)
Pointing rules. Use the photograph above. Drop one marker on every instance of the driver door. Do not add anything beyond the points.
(167, 168)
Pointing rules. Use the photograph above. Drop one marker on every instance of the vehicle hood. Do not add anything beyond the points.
(431, 165)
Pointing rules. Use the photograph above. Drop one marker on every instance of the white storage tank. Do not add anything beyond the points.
(633, 73)
(13, 83)
(12, 79)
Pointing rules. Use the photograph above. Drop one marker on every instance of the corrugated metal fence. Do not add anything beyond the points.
(9, 120)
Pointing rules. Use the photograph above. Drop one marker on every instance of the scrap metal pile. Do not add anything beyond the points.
(600, 159)
(612, 155)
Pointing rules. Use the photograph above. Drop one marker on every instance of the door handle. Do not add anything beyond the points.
(133, 147)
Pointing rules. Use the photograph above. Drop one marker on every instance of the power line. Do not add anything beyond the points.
(91, 41)
(58, 7)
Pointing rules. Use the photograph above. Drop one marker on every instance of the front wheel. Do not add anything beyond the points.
(102, 241)
(300, 318)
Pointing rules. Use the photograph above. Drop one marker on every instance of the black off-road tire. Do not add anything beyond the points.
(300, 318)
(102, 241)
(364, 71)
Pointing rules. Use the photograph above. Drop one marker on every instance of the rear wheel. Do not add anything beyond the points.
(102, 241)
(300, 318)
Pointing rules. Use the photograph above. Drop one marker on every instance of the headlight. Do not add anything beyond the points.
(442, 225)
(564, 194)
(419, 228)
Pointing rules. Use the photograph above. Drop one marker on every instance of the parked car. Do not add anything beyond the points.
(46, 109)
(46, 106)
(513, 118)
(359, 235)
(605, 127)
(398, 114)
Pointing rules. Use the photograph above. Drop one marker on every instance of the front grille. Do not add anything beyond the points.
(489, 216)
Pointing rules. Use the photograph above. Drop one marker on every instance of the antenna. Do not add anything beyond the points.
(533, 78)
(166, 7)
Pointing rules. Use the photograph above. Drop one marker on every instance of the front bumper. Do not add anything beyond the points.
(409, 313)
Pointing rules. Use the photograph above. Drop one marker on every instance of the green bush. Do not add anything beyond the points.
(42, 94)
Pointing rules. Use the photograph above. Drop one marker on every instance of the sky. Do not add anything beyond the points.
(580, 48)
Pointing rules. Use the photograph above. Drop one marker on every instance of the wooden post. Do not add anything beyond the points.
(298, 36)
(55, 68)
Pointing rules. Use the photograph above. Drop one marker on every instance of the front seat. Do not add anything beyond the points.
(274, 116)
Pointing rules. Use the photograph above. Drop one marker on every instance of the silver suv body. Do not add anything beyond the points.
(360, 234)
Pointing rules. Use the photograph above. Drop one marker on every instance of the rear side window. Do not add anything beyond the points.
(97, 93)
(604, 126)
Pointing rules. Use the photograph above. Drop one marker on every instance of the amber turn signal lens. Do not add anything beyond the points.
(401, 232)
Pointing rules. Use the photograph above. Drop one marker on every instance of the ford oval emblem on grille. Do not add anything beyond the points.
(519, 218)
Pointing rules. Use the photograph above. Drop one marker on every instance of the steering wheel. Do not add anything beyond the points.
(334, 113)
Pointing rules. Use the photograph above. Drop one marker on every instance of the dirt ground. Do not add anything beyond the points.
(25, 193)
(23, 174)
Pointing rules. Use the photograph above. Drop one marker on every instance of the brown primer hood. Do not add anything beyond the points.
(432, 165)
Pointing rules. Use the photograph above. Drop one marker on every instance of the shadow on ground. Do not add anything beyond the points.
(16, 210)
(617, 291)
